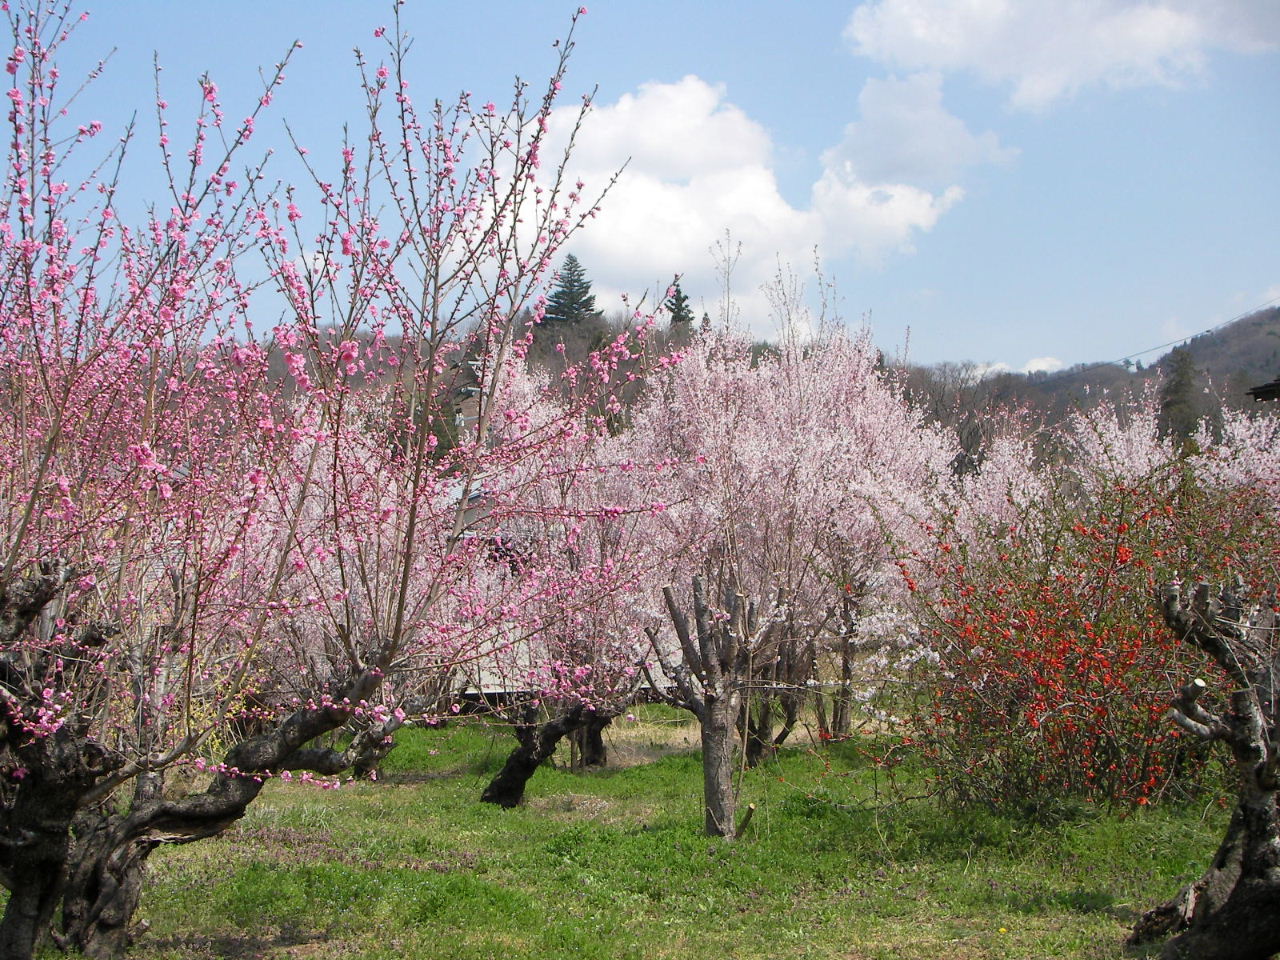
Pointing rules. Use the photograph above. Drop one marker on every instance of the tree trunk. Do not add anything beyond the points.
(790, 717)
(718, 735)
(370, 746)
(374, 741)
(102, 893)
(1233, 911)
(820, 714)
(98, 874)
(589, 740)
(1246, 928)
(1200, 898)
(759, 739)
(842, 715)
(537, 743)
(107, 870)
(36, 837)
(30, 907)
(369, 762)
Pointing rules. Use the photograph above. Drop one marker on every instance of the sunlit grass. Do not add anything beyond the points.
(612, 865)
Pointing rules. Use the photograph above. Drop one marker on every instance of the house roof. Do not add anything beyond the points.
(1267, 391)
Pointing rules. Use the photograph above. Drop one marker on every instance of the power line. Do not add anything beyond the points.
(1076, 371)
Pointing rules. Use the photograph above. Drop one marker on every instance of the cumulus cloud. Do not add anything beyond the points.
(672, 131)
(906, 135)
(873, 219)
(698, 167)
(1049, 49)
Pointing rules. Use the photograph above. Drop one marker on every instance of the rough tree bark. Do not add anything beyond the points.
(110, 851)
(373, 742)
(59, 770)
(714, 670)
(54, 772)
(111, 848)
(537, 742)
(717, 721)
(1233, 911)
(589, 740)
(780, 686)
(61, 838)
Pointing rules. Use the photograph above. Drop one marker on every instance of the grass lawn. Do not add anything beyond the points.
(612, 865)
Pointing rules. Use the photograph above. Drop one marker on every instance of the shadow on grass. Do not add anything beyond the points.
(233, 947)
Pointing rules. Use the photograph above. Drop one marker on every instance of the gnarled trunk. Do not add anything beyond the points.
(374, 741)
(370, 746)
(102, 893)
(1233, 911)
(589, 740)
(59, 770)
(92, 860)
(30, 908)
(537, 742)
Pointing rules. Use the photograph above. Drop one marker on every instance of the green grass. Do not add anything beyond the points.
(613, 865)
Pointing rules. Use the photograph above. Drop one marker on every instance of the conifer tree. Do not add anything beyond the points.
(1180, 407)
(677, 306)
(571, 301)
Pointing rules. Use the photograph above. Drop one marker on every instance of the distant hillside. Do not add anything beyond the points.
(1227, 363)
(1240, 355)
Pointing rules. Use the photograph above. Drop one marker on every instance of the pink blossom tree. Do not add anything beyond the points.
(205, 533)
(785, 475)
(584, 668)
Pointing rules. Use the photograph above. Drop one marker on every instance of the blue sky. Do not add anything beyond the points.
(1023, 182)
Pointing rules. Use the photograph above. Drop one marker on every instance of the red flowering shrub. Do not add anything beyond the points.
(1054, 668)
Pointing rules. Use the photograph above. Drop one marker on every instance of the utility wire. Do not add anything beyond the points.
(1076, 371)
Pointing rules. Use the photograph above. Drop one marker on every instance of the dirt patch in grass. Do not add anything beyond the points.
(633, 743)
(577, 806)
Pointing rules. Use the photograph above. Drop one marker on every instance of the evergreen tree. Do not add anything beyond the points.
(1180, 404)
(677, 306)
(571, 302)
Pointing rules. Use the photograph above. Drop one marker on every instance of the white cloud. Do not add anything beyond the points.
(875, 219)
(698, 166)
(905, 135)
(1049, 49)
(1246, 26)
(1034, 365)
(1042, 365)
(672, 131)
